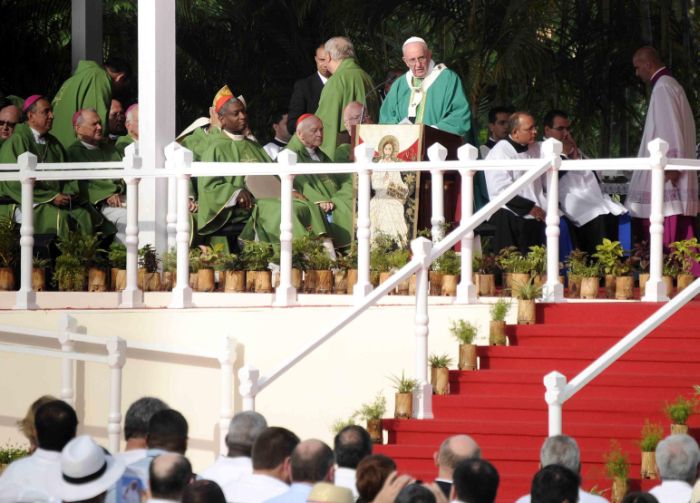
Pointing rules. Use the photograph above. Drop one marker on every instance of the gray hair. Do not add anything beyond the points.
(340, 48)
(514, 120)
(450, 459)
(139, 414)
(677, 457)
(561, 450)
(243, 429)
(80, 119)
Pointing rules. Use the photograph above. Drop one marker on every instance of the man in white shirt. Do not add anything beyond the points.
(56, 424)
(521, 222)
(563, 450)
(555, 484)
(311, 462)
(498, 128)
(281, 138)
(244, 429)
(351, 445)
(136, 421)
(271, 475)
(452, 451)
(168, 476)
(677, 458)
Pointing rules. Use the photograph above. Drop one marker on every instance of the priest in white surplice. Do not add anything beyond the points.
(521, 222)
(670, 118)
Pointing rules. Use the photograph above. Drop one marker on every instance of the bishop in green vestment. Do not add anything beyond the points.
(57, 207)
(90, 86)
(132, 129)
(332, 193)
(348, 83)
(226, 200)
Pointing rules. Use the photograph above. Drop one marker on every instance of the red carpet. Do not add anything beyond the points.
(502, 404)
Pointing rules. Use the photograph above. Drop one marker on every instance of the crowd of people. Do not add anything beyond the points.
(271, 464)
(84, 123)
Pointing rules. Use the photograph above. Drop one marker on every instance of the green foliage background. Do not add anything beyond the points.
(533, 54)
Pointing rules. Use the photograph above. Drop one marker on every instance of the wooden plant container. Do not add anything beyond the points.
(540, 280)
(485, 284)
(97, 279)
(412, 285)
(668, 281)
(467, 357)
(526, 312)
(679, 429)
(648, 465)
(643, 278)
(507, 280)
(435, 282)
(340, 281)
(589, 288)
(149, 281)
(403, 406)
(352, 280)
(497, 333)
(624, 287)
(38, 279)
(262, 281)
(683, 281)
(609, 286)
(324, 281)
(310, 281)
(119, 280)
(235, 281)
(619, 489)
(374, 278)
(516, 280)
(384, 276)
(374, 428)
(193, 280)
(404, 287)
(205, 280)
(7, 279)
(449, 285)
(440, 380)
(574, 290)
(169, 280)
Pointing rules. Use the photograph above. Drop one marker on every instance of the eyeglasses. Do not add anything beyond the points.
(9, 124)
(414, 61)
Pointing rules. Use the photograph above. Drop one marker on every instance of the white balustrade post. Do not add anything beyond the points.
(171, 217)
(655, 290)
(286, 294)
(248, 386)
(553, 290)
(437, 153)
(67, 326)
(26, 297)
(466, 290)
(116, 357)
(181, 296)
(555, 384)
(226, 359)
(423, 394)
(363, 159)
(132, 296)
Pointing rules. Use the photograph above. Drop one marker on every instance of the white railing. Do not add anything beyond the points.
(559, 391)
(68, 334)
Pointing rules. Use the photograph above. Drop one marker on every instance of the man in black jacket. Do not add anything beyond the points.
(307, 91)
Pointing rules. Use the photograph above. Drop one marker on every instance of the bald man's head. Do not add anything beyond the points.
(169, 474)
(356, 113)
(646, 63)
(312, 461)
(453, 450)
(310, 132)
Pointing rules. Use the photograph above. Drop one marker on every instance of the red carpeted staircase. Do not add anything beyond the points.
(502, 404)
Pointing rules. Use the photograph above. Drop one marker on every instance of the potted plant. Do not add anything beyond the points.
(465, 332)
(537, 257)
(678, 413)
(608, 254)
(341, 423)
(505, 260)
(149, 278)
(10, 453)
(449, 264)
(497, 327)
(516, 267)
(69, 273)
(396, 260)
(671, 269)
(484, 267)
(381, 248)
(624, 280)
(117, 259)
(95, 260)
(652, 434)
(641, 260)
(39, 266)
(231, 272)
(617, 468)
(256, 257)
(404, 386)
(372, 412)
(208, 259)
(527, 294)
(589, 273)
(574, 262)
(9, 241)
(347, 270)
(193, 258)
(169, 263)
(319, 268)
(686, 253)
(440, 373)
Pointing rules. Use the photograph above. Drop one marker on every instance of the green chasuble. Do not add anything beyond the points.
(89, 87)
(121, 144)
(48, 219)
(337, 188)
(348, 83)
(263, 221)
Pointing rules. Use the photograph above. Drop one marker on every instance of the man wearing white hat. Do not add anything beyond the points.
(427, 94)
(86, 472)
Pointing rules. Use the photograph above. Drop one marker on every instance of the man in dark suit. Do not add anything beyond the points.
(452, 451)
(307, 91)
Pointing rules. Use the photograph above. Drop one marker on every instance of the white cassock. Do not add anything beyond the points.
(670, 118)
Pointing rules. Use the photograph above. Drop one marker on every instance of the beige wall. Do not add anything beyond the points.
(329, 384)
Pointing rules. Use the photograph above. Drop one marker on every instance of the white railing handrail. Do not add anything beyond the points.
(559, 391)
(53, 353)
